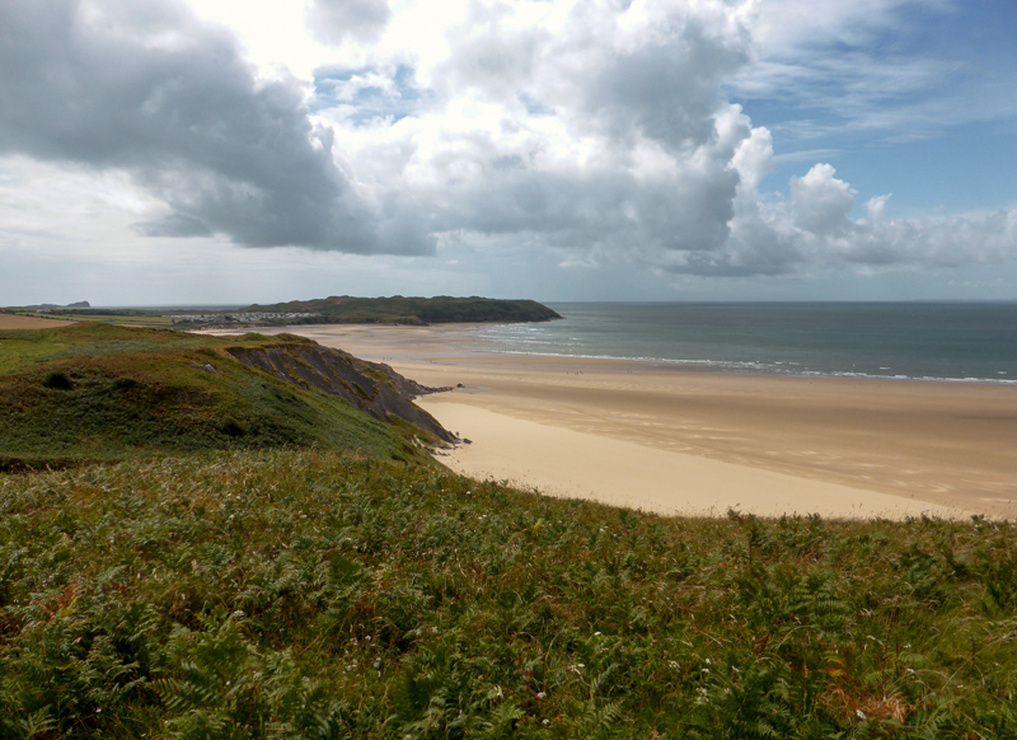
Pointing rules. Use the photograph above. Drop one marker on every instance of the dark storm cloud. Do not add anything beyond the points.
(148, 88)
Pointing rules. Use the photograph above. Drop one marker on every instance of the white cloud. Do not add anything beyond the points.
(861, 68)
(148, 89)
(567, 132)
(820, 202)
(333, 21)
(788, 27)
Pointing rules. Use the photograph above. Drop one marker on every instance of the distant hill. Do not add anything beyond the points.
(51, 306)
(333, 310)
(402, 310)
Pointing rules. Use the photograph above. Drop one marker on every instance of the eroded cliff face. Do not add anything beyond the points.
(374, 388)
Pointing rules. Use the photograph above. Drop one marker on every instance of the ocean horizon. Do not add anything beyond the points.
(947, 341)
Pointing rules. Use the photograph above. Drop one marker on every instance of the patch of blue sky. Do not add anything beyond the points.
(924, 110)
(533, 107)
(969, 168)
(368, 94)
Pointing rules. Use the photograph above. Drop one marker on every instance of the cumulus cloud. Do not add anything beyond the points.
(147, 88)
(599, 130)
(820, 205)
(596, 131)
(606, 134)
(820, 202)
(666, 88)
(813, 229)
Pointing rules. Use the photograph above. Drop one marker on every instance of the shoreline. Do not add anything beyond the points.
(840, 447)
(439, 338)
(726, 368)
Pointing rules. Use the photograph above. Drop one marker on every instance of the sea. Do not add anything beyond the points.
(960, 342)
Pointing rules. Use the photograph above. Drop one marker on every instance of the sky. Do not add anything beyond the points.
(211, 152)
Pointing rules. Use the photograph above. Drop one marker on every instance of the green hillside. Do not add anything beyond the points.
(100, 392)
(229, 548)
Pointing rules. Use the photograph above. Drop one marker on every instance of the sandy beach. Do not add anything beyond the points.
(677, 442)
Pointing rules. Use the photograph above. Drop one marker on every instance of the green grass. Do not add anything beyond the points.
(221, 554)
(120, 316)
(97, 392)
(22, 349)
(300, 593)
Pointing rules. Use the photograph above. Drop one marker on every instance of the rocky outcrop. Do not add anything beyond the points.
(374, 388)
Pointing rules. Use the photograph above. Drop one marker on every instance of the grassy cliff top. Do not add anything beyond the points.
(93, 391)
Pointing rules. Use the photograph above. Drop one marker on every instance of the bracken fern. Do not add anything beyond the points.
(305, 593)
